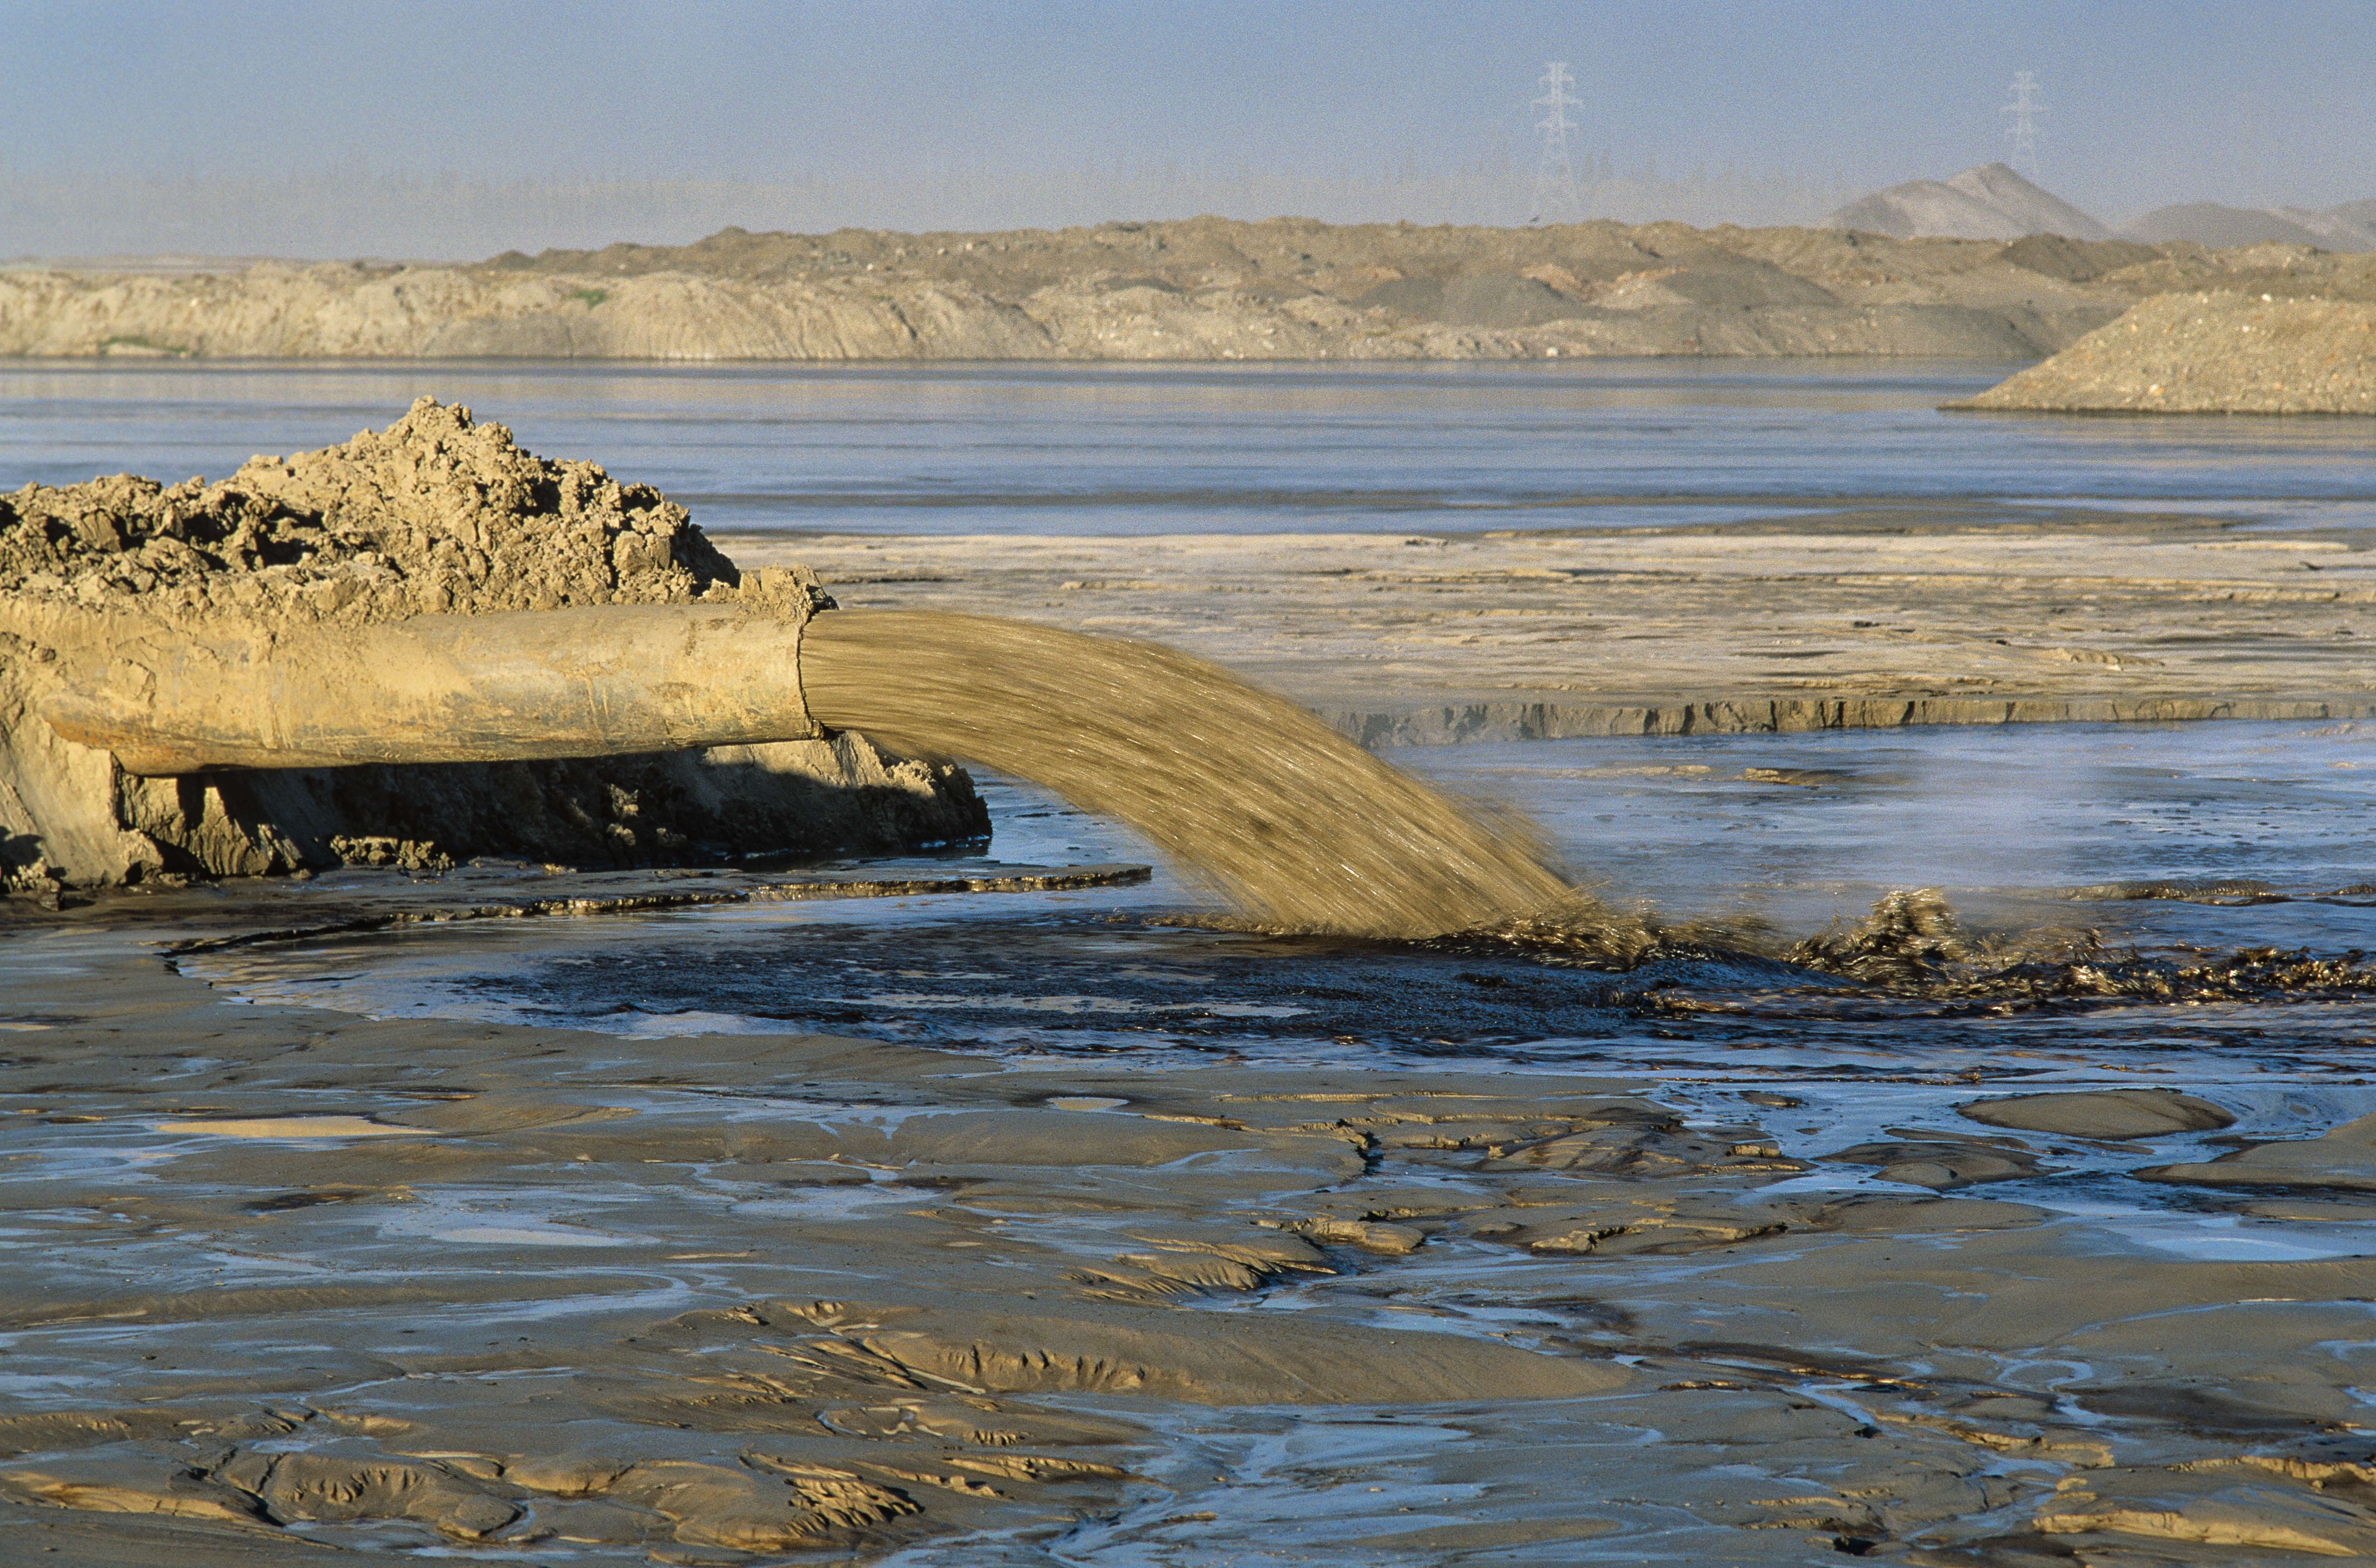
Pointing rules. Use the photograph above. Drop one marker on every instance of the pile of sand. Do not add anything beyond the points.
(434, 515)
(2211, 354)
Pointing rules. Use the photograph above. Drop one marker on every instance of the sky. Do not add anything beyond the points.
(2151, 101)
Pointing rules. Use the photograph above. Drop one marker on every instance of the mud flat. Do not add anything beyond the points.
(2210, 353)
(309, 1279)
(1811, 619)
(1197, 290)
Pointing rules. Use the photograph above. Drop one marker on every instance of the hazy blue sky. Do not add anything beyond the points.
(2153, 100)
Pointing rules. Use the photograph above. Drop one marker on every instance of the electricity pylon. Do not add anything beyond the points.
(2026, 112)
(1555, 199)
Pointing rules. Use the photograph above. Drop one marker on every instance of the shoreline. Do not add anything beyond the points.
(1876, 618)
(932, 1300)
(1555, 720)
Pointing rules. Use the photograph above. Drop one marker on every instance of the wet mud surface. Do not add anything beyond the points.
(1063, 1225)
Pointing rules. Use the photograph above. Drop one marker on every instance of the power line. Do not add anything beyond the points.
(1555, 198)
(2027, 111)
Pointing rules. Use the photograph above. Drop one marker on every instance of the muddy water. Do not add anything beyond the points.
(1289, 822)
(1044, 1229)
(2171, 847)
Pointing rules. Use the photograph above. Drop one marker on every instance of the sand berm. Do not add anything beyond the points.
(1200, 289)
(2211, 354)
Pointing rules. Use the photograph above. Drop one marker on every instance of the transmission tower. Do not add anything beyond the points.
(1555, 199)
(2026, 112)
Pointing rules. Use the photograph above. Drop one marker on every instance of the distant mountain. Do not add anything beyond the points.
(2351, 227)
(1990, 202)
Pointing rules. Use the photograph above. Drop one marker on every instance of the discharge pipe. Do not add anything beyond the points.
(1241, 789)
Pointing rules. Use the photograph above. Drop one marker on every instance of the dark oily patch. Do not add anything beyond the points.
(359, 902)
(2102, 1113)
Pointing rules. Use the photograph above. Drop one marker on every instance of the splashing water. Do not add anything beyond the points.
(1245, 792)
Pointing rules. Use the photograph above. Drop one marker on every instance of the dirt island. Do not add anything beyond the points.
(2228, 352)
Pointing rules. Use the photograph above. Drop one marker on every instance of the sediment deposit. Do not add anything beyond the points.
(436, 514)
(1807, 619)
(315, 1281)
(2232, 353)
(1202, 288)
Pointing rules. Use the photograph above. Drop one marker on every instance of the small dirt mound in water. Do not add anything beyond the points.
(434, 514)
(1912, 945)
(2227, 353)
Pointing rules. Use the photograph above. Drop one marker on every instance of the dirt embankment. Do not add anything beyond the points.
(1205, 289)
(1815, 619)
(2234, 353)
(434, 515)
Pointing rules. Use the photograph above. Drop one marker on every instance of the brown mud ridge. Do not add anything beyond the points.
(390, 1287)
(1201, 288)
(1914, 956)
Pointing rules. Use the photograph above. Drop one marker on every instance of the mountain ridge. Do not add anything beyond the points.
(1987, 202)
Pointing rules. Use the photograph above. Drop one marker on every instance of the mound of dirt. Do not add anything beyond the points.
(2211, 354)
(434, 514)
(437, 514)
